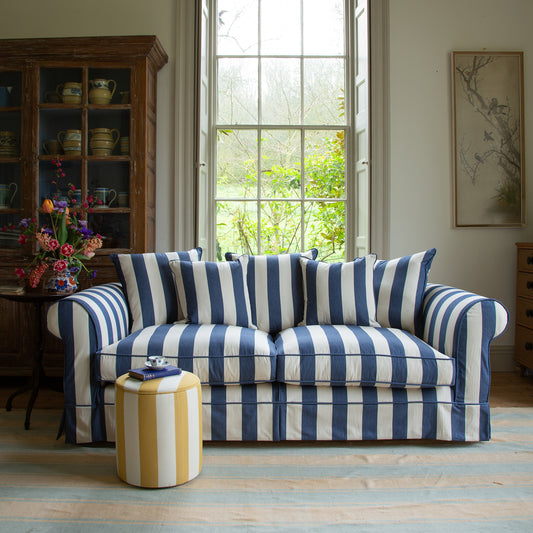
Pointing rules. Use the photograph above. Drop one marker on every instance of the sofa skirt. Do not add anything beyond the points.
(277, 412)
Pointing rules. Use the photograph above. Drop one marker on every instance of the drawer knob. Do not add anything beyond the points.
(529, 313)
(529, 346)
(529, 260)
(529, 285)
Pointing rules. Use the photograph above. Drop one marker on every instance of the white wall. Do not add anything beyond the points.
(80, 18)
(423, 33)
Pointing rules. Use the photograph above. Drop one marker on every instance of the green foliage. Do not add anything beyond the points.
(280, 218)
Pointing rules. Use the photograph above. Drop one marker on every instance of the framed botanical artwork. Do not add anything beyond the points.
(488, 124)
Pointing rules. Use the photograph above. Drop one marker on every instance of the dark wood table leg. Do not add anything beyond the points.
(37, 368)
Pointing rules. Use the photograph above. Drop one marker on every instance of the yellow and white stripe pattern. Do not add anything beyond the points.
(158, 430)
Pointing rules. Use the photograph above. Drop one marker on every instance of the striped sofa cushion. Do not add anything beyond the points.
(214, 293)
(276, 289)
(149, 286)
(339, 293)
(399, 286)
(217, 354)
(360, 356)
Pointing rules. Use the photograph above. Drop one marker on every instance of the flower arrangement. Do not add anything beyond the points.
(66, 243)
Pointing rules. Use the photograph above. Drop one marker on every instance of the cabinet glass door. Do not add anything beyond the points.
(10, 156)
(85, 121)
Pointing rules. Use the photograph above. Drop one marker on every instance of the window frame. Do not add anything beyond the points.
(206, 221)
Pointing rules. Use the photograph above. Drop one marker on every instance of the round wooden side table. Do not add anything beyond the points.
(36, 299)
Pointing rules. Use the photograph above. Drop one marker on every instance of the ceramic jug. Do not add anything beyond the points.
(7, 193)
(70, 92)
(9, 144)
(104, 196)
(70, 141)
(103, 140)
(51, 147)
(101, 92)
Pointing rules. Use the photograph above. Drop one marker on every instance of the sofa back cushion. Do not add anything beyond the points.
(214, 293)
(339, 293)
(149, 286)
(275, 287)
(399, 286)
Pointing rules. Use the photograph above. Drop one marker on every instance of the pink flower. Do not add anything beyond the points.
(67, 250)
(19, 272)
(53, 244)
(23, 239)
(60, 265)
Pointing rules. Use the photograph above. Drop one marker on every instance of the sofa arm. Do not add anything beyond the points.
(103, 308)
(462, 325)
(86, 322)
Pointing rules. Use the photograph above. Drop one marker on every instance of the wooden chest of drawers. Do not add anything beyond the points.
(523, 354)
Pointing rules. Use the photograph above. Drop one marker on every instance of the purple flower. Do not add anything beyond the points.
(74, 270)
(93, 274)
(60, 205)
(86, 232)
(49, 231)
(25, 222)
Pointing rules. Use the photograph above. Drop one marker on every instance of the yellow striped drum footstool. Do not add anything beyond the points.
(159, 430)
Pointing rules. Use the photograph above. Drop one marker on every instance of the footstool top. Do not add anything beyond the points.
(167, 385)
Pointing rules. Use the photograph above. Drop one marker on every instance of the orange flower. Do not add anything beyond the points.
(48, 206)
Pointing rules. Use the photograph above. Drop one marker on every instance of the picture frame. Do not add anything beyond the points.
(488, 139)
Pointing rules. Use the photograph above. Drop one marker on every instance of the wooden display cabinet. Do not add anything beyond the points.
(35, 113)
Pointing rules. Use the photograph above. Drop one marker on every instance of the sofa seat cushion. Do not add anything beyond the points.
(339, 355)
(218, 354)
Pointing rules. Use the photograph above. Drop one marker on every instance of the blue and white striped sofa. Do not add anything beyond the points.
(285, 381)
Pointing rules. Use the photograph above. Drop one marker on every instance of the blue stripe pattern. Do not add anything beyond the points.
(217, 354)
(360, 356)
(339, 293)
(275, 287)
(149, 285)
(387, 403)
(214, 293)
(399, 286)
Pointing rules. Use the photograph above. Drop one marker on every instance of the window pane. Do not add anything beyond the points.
(324, 164)
(280, 227)
(280, 164)
(325, 224)
(236, 164)
(280, 94)
(236, 228)
(280, 27)
(323, 27)
(324, 91)
(237, 27)
(237, 91)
